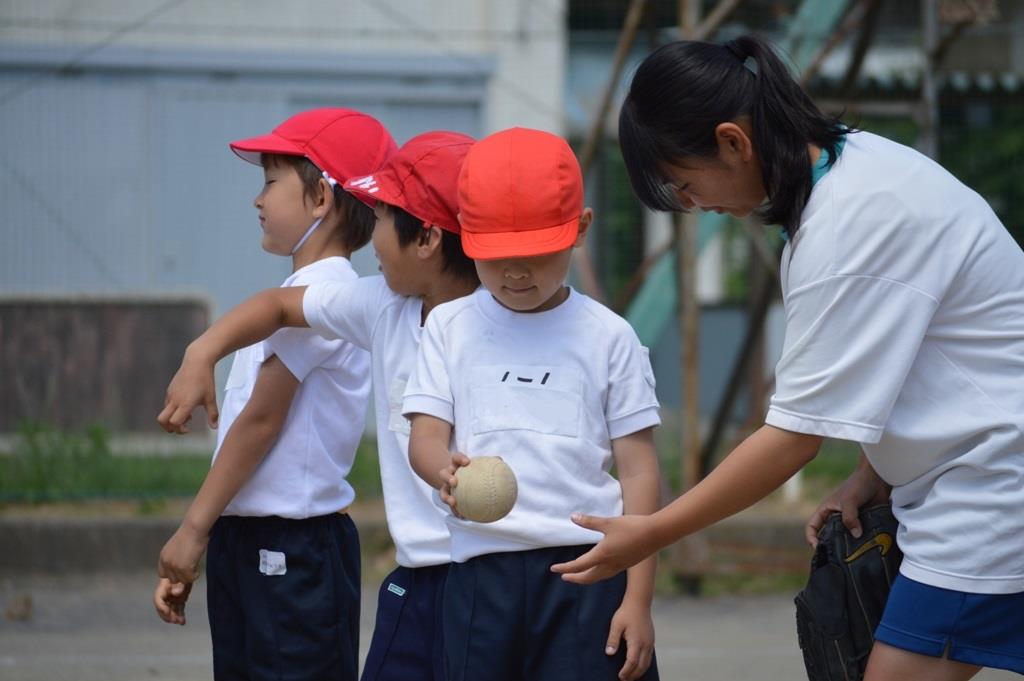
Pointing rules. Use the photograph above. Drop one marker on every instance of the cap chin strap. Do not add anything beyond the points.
(312, 228)
(309, 233)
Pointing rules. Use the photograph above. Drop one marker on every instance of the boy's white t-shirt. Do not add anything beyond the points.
(904, 300)
(303, 474)
(547, 392)
(369, 314)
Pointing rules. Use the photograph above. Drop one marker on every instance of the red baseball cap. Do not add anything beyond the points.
(520, 195)
(421, 179)
(341, 142)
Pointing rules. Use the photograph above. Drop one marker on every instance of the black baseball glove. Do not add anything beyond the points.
(842, 604)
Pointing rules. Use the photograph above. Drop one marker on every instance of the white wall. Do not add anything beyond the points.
(526, 38)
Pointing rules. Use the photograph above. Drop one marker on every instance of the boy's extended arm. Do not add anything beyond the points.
(637, 464)
(251, 321)
(757, 467)
(244, 447)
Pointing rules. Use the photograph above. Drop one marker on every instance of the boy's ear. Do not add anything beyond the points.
(429, 242)
(324, 199)
(586, 217)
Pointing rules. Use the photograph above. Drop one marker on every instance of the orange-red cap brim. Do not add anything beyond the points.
(520, 244)
(252, 148)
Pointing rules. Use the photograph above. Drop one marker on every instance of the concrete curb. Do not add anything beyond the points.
(746, 544)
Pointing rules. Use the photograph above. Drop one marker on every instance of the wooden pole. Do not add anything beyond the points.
(866, 36)
(689, 311)
(626, 39)
(634, 15)
(584, 264)
(715, 18)
(928, 137)
(755, 328)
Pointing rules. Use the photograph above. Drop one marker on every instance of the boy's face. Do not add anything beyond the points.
(527, 284)
(532, 284)
(398, 263)
(285, 211)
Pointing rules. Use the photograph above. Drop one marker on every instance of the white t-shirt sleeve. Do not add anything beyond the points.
(632, 404)
(303, 350)
(345, 310)
(850, 343)
(429, 388)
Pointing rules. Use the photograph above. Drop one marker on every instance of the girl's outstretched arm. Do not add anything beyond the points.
(754, 469)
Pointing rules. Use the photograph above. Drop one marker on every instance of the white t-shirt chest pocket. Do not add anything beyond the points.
(543, 399)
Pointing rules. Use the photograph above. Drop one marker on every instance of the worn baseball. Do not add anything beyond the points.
(486, 490)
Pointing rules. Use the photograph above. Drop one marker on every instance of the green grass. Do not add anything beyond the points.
(49, 465)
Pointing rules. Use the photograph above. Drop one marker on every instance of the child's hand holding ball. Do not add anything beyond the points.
(482, 489)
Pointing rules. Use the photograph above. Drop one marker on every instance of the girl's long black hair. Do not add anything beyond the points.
(683, 90)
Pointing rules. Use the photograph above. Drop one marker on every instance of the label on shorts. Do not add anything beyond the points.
(272, 562)
(395, 589)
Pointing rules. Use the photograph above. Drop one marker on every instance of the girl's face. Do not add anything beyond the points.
(729, 183)
(285, 210)
(711, 185)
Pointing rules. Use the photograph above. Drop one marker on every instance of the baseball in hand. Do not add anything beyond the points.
(486, 490)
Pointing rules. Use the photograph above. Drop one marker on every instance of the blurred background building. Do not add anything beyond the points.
(119, 189)
(126, 224)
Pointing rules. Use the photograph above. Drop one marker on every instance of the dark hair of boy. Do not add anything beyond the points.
(683, 90)
(357, 225)
(409, 228)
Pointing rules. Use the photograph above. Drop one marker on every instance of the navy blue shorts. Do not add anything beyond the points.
(283, 598)
(980, 629)
(507, 617)
(407, 637)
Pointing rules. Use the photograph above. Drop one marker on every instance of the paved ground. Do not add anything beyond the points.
(104, 629)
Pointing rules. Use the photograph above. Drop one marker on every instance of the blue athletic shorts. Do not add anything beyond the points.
(981, 629)
(407, 642)
(283, 598)
(507, 617)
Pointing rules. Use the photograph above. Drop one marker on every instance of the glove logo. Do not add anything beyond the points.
(882, 541)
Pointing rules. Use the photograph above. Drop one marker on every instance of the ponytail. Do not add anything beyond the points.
(684, 90)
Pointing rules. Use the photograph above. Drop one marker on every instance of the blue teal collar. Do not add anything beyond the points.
(821, 168)
(824, 161)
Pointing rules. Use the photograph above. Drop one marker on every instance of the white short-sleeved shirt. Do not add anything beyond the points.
(303, 474)
(904, 300)
(369, 314)
(547, 392)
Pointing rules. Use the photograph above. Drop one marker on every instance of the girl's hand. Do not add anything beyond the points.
(449, 480)
(191, 387)
(169, 600)
(179, 558)
(632, 623)
(862, 488)
(628, 539)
